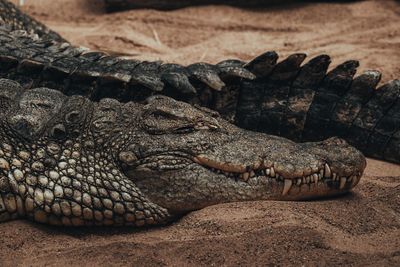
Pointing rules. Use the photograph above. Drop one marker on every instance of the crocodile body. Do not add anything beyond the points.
(65, 160)
(300, 102)
(100, 148)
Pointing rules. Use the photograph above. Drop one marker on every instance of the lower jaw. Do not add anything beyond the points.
(310, 194)
(310, 191)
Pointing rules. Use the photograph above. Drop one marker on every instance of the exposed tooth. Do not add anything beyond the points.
(315, 178)
(298, 181)
(272, 172)
(304, 180)
(334, 177)
(328, 172)
(308, 179)
(246, 176)
(287, 186)
(252, 174)
(342, 182)
(268, 172)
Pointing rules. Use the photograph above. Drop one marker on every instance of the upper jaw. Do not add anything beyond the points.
(332, 163)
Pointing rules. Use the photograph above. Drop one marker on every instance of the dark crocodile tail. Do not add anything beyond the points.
(298, 101)
(17, 20)
(304, 103)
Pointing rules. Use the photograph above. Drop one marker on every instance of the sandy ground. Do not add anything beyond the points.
(360, 229)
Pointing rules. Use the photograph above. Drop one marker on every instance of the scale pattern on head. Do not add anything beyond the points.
(58, 168)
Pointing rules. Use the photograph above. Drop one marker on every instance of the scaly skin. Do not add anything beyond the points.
(17, 20)
(300, 102)
(69, 161)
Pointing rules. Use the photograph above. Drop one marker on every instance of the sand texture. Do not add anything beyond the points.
(359, 229)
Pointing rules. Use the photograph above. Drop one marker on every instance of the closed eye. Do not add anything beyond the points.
(45, 105)
(41, 105)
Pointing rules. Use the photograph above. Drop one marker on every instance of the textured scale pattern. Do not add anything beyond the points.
(304, 103)
(298, 101)
(70, 181)
(12, 16)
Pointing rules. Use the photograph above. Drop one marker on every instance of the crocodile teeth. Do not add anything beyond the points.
(272, 172)
(268, 172)
(342, 182)
(328, 172)
(246, 176)
(287, 186)
(298, 181)
(252, 174)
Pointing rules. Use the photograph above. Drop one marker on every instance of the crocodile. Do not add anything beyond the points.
(103, 147)
(67, 160)
(300, 102)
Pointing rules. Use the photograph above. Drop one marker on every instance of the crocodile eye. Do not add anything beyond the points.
(45, 105)
(41, 105)
(160, 122)
(165, 115)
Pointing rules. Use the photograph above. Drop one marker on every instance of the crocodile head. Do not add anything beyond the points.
(186, 158)
(161, 157)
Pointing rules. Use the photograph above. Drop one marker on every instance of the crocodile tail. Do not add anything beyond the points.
(305, 103)
(37, 62)
(17, 20)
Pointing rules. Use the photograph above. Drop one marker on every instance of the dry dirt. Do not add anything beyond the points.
(360, 229)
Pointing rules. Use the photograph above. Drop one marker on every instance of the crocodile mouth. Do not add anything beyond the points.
(307, 185)
(313, 182)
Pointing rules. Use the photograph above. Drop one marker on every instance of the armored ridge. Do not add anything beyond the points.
(69, 161)
(301, 102)
(17, 20)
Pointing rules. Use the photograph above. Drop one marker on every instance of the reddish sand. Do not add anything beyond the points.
(361, 229)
